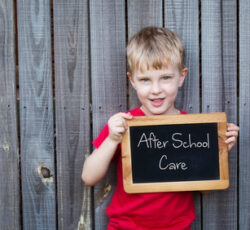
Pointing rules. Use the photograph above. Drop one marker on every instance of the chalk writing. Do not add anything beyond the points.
(178, 141)
(152, 141)
(189, 143)
(164, 165)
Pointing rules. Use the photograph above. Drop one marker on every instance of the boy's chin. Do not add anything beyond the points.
(161, 111)
(154, 111)
(157, 111)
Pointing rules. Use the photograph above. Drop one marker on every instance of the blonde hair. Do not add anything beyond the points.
(155, 48)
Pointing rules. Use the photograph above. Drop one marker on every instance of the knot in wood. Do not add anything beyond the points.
(45, 172)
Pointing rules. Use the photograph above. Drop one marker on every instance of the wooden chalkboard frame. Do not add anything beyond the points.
(221, 183)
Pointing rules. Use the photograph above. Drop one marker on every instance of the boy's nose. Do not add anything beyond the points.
(156, 88)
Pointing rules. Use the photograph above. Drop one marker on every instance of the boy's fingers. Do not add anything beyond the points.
(121, 130)
(230, 140)
(124, 124)
(118, 116)
(126, 115)
(231, 126)
(232, 133)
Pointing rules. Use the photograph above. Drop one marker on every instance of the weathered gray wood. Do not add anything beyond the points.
(229, 45)
(108, 75)
(71, 42)
(9, 170)
(183, 17)
(219, 93)
(212, 75)
(244, 111)
(36, 115)
(142, 14)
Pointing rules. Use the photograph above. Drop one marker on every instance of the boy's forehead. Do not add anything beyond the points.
(170, 69)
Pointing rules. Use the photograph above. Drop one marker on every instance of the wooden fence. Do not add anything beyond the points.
(63, 73)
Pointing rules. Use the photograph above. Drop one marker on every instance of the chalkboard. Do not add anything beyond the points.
(175, 153)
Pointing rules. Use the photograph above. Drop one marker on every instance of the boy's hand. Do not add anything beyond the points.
(118, 125)
(232, 134)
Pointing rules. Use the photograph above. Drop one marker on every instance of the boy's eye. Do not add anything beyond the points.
(165, 77)
(144, 79)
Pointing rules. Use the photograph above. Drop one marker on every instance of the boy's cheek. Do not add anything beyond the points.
(143, 90)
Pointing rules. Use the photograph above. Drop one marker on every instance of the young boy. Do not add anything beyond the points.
(156, 71)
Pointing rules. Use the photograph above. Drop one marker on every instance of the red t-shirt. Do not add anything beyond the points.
(147, 211)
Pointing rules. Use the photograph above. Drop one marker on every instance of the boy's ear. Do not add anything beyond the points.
(131, 79)
(184, 72)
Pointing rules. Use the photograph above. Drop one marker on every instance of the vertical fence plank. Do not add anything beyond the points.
(142, 14)
(108, 74)
(244, 159)
(211, 46)
(36, 115)
(219, 93)
(183, 17)
(9, 183)
(228, 198)
(71, 44)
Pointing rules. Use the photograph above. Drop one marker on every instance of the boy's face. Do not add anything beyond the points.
(157, 89)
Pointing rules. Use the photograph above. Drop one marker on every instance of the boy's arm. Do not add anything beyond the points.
(97, 164)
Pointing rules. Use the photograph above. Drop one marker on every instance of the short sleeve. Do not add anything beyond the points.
(102, 136)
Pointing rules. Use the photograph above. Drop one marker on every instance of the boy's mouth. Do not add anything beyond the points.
(157, 102)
